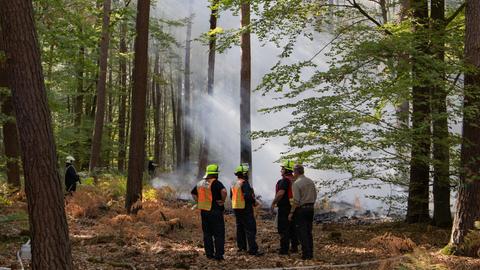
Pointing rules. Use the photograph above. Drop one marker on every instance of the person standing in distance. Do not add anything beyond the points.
(283, 200)
(210, 195)
(71, 176)
(304, 197)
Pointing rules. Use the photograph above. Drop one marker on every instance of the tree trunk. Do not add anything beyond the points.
(179, 128)
(468, 201)
(245, 90)
(123, 99)
(156, 107)
(10, 135)
(442, 217)
(384, 9)
(187, 137)
(48, 224)
(78, 107)
(136, 158)
(417, 210)
(101, 91)
(205, 145)
(176, 139)
(10, 141)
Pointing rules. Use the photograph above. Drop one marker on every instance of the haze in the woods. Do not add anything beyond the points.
(226, 137)
(117, 117)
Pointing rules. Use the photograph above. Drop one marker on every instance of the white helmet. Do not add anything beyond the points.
(70, 159)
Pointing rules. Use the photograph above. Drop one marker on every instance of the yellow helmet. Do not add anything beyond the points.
(243, 169)
(212, 169)
(288, 164)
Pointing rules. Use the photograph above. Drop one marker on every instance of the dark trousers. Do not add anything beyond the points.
(286, 229)
(246, 230)
(303, 222)
(71, 187)
(213, 227)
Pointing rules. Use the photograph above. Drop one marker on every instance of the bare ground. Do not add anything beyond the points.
(166, 234)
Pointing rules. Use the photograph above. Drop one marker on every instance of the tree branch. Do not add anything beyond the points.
(370, 18)
(455, 14)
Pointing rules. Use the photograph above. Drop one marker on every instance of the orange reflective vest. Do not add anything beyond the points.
(204, 195)
(238, 200)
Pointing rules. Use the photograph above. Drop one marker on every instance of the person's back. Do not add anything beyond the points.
(71, 176)
(304, 190)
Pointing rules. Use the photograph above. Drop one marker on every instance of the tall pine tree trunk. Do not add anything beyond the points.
(10, 135)
(10, 141)
(48, 223)
(245, 89)
(417, 210)
(179, 128)
(101, 90)
(157, 107)
(187, 137)
(468, 201)
(205, 144)
(78, 107)
(136, 158)
(442, 216)
(122, 110)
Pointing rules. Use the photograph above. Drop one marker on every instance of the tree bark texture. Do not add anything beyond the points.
(468, 200)
(11, 144)
(157, 107)
(136, 158)
(179, 130)
(10, 134)
(187, 137)
(48, 224)
(417, 209)
(101, 89)
(122, 152)
(245, 89)
(442, 216)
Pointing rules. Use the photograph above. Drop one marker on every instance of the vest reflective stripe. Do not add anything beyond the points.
(204, 196)
(238, 200)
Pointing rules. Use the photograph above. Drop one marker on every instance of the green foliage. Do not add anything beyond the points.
(345, 117)
(89, 181)
(115, 187)
(16, 216)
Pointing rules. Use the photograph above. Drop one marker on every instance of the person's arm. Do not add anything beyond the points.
(277, 198)
(296, 200)
(223, 192)
(194, 193)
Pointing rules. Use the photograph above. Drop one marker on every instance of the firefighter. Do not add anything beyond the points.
(210, 195)
(71, 176)
(283, 200)
(243, 201)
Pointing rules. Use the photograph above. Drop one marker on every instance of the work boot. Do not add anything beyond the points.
(256, 253)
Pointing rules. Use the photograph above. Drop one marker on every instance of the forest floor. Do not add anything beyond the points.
(166, 234)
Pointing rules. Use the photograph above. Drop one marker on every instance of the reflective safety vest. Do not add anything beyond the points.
(204, 195)
(238, 200)
(289, 191)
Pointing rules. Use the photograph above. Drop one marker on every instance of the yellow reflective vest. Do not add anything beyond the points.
(204, 195)
(238, 200)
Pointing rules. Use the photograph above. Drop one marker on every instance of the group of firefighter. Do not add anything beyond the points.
(295, 195)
